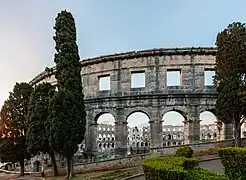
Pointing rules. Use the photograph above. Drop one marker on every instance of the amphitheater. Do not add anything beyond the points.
(153, 97)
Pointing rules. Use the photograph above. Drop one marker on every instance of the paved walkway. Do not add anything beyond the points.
(4, 176)
(214, 165)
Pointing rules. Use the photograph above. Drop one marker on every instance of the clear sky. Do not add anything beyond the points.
(104, 27)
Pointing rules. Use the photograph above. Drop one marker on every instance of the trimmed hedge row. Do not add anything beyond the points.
(234, 162)
(176, 168)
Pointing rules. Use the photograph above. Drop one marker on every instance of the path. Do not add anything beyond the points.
(4, 176)
(214, 165)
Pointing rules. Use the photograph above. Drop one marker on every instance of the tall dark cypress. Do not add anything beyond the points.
(230, 76)
(68, 116)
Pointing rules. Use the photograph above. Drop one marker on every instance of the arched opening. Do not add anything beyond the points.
(208, 127)
(173, 128)
(37, 166)
(105, 134)
(138, 133)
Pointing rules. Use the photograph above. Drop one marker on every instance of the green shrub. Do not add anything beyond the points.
(176, 168)
(234, 161)
(204, 174)
(185, 151)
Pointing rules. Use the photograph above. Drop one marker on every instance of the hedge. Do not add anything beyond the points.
(185, 151)
(234, 161)
(176, 168)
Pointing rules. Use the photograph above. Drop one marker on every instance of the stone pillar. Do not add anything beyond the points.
(155, 133)
(121, 137)
(193, 125)
(228, 131)
(196, 131)
(90, 140)
(187, 131)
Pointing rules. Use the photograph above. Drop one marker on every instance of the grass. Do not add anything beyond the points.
(108, 175)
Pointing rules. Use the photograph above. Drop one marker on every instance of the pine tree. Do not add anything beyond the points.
(68, 116)
(38, 122)
(14, 126)
(230, 76)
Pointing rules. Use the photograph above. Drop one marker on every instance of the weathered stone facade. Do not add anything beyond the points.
(190, 99)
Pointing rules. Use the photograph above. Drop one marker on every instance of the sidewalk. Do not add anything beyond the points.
(4, 176)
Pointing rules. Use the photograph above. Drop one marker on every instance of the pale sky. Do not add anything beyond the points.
(104, 27)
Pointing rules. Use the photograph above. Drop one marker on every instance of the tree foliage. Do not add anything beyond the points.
(14, 125)
(67, 108)
(230, 75)
(37, 138)
(38, 123)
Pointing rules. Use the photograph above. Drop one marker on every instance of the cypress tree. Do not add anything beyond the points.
(14, 125)
(38, 122)
(230, 76)
(68, 116)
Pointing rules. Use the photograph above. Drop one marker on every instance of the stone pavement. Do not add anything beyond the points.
(214, 165)
(4, 176)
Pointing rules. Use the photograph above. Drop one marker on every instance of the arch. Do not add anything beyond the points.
(207, 118)
(97, 115)
(169, 120)
(179, 109)
(138, 121)
(210, 108)
(105, 118)
(140, 110)
(138, 114)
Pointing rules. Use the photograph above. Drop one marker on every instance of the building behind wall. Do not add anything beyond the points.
(172, 135)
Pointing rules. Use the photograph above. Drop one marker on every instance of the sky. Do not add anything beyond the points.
(105, 27)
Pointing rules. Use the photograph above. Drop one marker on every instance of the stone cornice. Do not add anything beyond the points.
(132, 55)
(149, 96)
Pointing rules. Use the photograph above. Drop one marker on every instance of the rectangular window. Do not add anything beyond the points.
(137, 79)
(209, 77)
(104, 83)
(173, 77)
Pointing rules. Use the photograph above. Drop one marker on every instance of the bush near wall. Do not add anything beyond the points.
(234, 162)
(176, 168)
(185, 151)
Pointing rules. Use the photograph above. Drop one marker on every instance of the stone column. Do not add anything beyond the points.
(155, 133)
(90, 140)
(193, 125)
(187, 131)
(196, 131)
(228, 131)
(121, 137)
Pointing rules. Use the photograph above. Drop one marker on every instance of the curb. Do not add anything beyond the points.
(209, 159)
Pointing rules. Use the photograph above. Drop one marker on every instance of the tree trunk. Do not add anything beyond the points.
(70, 171)
(22, 167)
(54, 165)
(237, 133)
